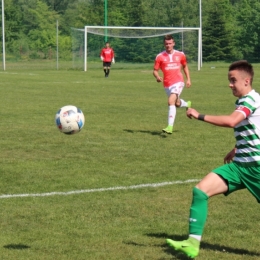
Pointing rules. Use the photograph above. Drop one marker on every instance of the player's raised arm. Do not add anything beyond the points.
(225, 120)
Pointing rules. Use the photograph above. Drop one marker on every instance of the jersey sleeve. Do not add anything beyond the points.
(157, 63)
(183, 60)
(243, 109)
(112, 54)
(245, 106)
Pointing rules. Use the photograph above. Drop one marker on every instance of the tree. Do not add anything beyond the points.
(42, 33)
(59, 6)
(248, 24)
(230, 27)
(218, 38)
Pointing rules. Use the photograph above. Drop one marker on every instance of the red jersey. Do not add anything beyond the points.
(107, 54)
(171, 65)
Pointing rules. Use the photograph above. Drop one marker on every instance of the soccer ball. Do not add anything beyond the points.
(69, 119)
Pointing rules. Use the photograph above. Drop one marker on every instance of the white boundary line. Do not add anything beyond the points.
(140, 186)
(16, 73)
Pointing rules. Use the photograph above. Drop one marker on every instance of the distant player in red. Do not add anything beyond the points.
(107, 56)
(171, 62)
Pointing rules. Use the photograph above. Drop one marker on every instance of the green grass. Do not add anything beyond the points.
(121, 144)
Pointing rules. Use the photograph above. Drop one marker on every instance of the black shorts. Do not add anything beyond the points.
(106, 64)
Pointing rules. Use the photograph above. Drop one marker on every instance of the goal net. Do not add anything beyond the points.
(132, 44)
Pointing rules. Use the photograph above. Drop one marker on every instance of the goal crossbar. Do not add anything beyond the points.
(142, 28)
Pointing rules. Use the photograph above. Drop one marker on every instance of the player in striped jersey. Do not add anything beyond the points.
(242, 164)
(171, 62)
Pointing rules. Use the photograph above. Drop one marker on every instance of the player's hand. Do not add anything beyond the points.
(159, 79)
(229, 157)
(101, 58)
(113, 60)
(192, 113)
(188, 83)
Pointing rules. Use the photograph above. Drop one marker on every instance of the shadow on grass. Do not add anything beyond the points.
(204, 245)
(164, 247)
(158, 133)
(16, 246)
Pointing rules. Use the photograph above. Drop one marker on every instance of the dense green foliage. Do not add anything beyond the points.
(230, 28)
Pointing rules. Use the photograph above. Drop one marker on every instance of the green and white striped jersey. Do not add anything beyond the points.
(247, 132)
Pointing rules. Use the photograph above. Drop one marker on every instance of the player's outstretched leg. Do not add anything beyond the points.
(190, 247)
(183, 103)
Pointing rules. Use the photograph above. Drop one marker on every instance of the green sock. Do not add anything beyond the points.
(198, 212)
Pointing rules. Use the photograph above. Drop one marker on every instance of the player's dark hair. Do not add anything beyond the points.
(167, 37)
(243, 65)
(106, 42)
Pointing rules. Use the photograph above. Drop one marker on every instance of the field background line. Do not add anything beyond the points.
(140, 186)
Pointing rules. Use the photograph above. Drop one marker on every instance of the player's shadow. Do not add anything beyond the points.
(16, 246)
(163, 247)
(155, 133)
(203, 245)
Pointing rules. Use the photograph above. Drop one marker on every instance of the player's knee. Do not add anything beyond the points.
(178, 104)
(199, 194)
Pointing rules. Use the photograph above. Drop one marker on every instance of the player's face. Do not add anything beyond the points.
(107, 45)
(169, 44)
(239, 82)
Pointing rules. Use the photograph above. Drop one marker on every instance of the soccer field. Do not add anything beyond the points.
(120, 187)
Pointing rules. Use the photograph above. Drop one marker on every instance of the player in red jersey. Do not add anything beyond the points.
(171, 62)
(107, 56)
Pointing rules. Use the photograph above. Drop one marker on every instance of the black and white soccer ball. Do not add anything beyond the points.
(69, 119)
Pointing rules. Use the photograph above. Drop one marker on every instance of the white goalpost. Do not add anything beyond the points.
(122, 32)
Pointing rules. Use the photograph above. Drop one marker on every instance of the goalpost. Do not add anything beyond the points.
(142, 34)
